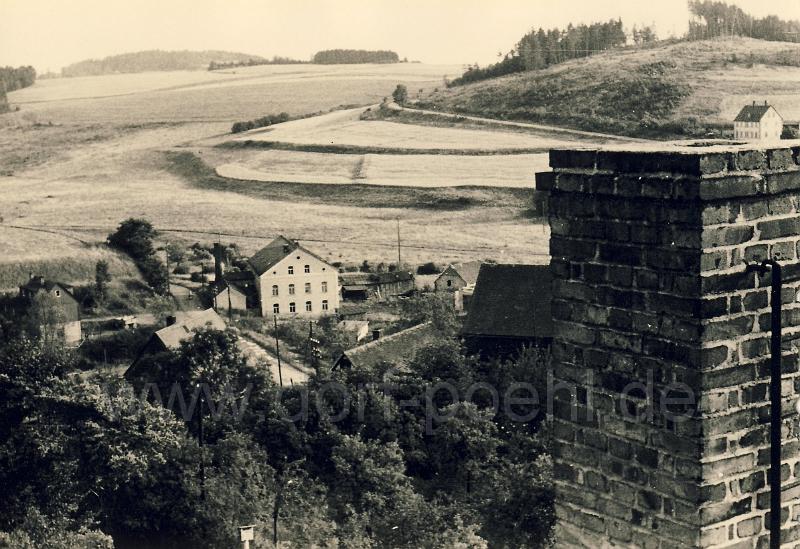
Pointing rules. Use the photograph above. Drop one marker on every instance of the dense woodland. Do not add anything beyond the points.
(87, 461)
(714, 18)
(341, 57)
(541, 48)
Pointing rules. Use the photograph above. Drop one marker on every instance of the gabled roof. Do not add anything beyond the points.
(753, 113)
(397, 349)
(242, 282)
(511, 301)
(172, 336)
(271, 254)
(468, 271)
(37, 283)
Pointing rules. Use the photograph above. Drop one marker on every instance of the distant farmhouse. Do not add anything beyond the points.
(169, 338)
(397, 349)
(758, 123)
(510, 309)
(362, 286)
(456, 276)
(283, 278)
(61, 294)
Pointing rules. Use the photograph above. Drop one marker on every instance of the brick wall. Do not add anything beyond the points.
(650, 289)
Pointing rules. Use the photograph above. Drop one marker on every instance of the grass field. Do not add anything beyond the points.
(407, 170)
(681, 89)
(141, 153)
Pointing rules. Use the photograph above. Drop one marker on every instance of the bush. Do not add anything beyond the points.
(400, 94)
(181, 269)
(198, 277)
(262, 122)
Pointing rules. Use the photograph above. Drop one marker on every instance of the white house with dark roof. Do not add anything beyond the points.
(291, 280)
(758, 122)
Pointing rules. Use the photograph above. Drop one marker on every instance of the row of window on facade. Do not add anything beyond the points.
(276, 308)
(290, 269)
(324, 288)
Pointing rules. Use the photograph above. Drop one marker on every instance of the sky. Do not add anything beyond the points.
(50, 34)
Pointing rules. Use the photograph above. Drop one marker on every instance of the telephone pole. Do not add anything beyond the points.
(398, 243)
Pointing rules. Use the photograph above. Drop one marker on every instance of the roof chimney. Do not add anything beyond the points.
(219, 261)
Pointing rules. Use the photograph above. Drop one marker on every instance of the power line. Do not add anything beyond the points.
(268, 237)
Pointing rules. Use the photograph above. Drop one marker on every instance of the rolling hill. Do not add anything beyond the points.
(155, 60)
(671, 90)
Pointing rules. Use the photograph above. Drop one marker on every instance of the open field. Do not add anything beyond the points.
(411, 170)
(343, 128)
(145, 154)
(219, 96)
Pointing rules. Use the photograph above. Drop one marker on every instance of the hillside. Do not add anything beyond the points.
(155, 60)
(672, 90)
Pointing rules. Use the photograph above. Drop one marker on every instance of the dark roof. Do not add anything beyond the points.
(468, 271)
(243, 282)
(397, 349)
(37, 283)
(511, 301)
(271, 254)
(752, 113)
(268, 256)
(369, 279)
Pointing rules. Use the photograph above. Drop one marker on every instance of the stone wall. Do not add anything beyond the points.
(660, 412)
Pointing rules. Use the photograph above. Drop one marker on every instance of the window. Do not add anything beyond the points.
(449, 283)
(276, 309)
(324, 304)
(292, 308)
(291, 269)
(307, 269)
(324, 287)
(291, 289)
(308, 306)
(58, 293)
(308, 287)
(275, 289)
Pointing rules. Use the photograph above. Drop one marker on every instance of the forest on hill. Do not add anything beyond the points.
(542, 48)
(155, 60)
(342, 57)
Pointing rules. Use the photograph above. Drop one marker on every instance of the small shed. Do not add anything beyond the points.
(457, 276)
(397, 349)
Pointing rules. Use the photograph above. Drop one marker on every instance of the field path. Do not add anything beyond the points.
(528, 125)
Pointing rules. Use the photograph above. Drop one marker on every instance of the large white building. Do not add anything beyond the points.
(758, 122)
(291, 281)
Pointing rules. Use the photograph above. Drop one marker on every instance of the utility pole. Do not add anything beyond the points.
(200, 444)
(398, 243)
(278, 351)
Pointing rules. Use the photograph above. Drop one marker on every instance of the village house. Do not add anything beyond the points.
(361, 286)
(397, 349)
(290, 280)
(359, 329)
(758, 122)
(68, 313)
(169, 338)
(456, 276)
(510, 309)
(235, 291)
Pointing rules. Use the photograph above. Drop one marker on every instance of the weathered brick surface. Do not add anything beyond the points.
(650, 291)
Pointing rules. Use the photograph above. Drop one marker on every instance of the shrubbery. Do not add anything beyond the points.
(135, 238)
(262, 122)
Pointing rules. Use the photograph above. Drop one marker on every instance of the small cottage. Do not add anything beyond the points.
(457, 276)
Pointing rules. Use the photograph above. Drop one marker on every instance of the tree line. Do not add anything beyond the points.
(715, 18)
(340, 57)
(276, 60)
(542, 48)
(17, 78)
